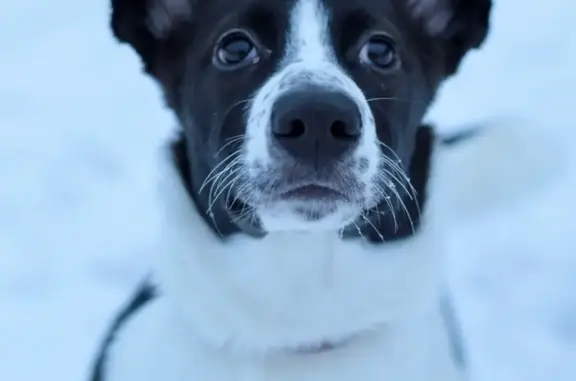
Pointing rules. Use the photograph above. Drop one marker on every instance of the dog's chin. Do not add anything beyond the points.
(307, 215)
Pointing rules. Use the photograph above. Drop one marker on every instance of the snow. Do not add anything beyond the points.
(79, 125)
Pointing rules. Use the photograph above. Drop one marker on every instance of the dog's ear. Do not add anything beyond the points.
(145, 23)
(461, 24)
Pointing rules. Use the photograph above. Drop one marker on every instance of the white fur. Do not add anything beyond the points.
(239, 310)
(231, 311)
(309, 59)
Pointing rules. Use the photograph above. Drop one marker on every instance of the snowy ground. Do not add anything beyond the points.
(78, 125)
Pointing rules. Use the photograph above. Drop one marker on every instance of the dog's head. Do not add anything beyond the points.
(303, 114)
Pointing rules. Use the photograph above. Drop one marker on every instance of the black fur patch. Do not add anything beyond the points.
(145, 294)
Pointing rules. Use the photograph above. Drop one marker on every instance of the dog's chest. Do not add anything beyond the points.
(409, 353)
(344, 365)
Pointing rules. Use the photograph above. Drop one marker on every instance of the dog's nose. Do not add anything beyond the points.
(316, 126)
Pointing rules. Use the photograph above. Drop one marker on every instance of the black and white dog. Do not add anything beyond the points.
(302, 240)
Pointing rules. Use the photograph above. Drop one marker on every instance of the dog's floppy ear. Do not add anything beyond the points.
(144, 23)
(461, 24)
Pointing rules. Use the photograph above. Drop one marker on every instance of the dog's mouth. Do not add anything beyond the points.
(292, 200)
(315, 202)
(313, 192)
(305, 200)
(306, 197)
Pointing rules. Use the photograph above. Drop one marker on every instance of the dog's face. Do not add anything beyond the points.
(302, 114)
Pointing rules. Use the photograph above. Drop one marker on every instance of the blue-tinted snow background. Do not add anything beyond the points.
(79, 125)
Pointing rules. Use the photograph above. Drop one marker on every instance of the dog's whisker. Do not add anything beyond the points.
(231, 186)
(231, 141)
(222, 186)
(359, 231)
(224, 174)
(373, 227)
(239, 103)
(391, 208)
(401, 183)
(402, 179)
(386, 99)
(231, 176)
(214, 172)
(403, 205)
(217, 178)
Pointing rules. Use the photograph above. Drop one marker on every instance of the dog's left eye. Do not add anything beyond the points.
(234, 50)
(379, 52)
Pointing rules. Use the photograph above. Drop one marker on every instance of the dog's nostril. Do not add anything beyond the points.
(291, 129)
(296, 130)
(341, 131)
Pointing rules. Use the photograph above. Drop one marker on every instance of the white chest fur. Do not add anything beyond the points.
(230, 311)
(154, 347)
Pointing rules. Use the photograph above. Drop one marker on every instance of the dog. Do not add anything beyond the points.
(301, 239)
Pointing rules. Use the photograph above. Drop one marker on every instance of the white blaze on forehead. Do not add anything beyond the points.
(309, 59)
(309, 37)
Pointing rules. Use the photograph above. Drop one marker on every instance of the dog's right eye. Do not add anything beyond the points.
(234, 50)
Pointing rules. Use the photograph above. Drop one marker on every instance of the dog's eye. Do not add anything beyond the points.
(234, 50)
(379, 51)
